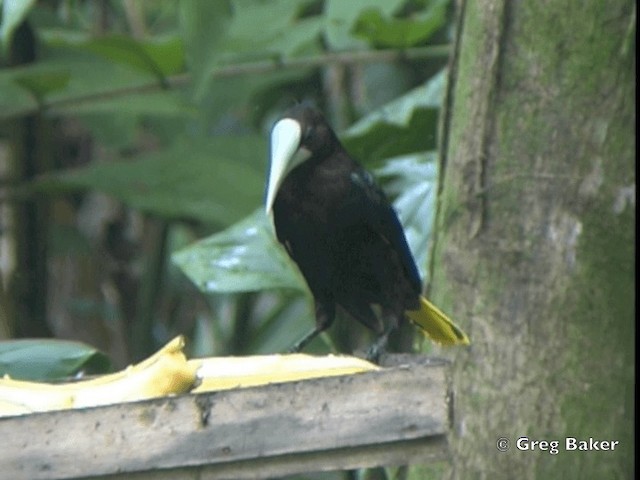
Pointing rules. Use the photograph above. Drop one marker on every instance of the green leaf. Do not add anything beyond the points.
(41, 83)
(126, 50)
(245, 257)
(412, 182)
(341, 15)
(300, 37)
(405, 125)
(46, 359)
(280, 33)
(114, 131)
(13, 13)
(22, 88)
(203, 25)
(14, 99)
(165, 103)
(92, 74)
(217, 180)
(158, 56)
(167, 53)
(383, 31)
(70, 78)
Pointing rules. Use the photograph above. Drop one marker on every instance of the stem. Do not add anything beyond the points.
(249, 68)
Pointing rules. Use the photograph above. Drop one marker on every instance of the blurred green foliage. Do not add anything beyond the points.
(49, 359)
(178, 97)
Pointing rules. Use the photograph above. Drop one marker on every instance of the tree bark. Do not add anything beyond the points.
(535, 249)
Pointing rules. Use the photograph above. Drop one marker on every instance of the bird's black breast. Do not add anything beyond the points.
(339, 228)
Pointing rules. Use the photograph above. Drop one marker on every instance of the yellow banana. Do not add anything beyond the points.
(230, 372)
(32, 396)
(168, 372)
(165, 372)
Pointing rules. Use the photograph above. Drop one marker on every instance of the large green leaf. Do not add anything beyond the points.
(412, 182)
(217, 180)
(47, 359)
(14, 99)
(158, 56)
(73, 81)
(41, 83)
(405, 125)
(165, 103)
(300, 37)
(245, 257)
(203, 25)
(383, 31)
(340, 17)
(279, 33)
(91, 74)
(22, 88)
(257, 30)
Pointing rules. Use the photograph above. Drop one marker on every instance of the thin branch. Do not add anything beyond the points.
(250, 68)
(359, 56)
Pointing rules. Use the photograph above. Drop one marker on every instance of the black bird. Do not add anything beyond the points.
(340, 229)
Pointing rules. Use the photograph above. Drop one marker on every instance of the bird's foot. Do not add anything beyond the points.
(304, 341)
(377, 349)
(296, 347)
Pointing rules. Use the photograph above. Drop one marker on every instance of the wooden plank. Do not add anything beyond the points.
(310, 424)
(418, 451)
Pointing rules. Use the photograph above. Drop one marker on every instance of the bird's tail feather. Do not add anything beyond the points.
(437, 325)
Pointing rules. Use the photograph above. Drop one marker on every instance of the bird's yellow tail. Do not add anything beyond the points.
(437, 325)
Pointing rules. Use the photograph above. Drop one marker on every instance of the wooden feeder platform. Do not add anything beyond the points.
(394, 416)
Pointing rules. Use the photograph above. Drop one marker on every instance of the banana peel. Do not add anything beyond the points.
(165, 372)
(168, 372)
(221, 373)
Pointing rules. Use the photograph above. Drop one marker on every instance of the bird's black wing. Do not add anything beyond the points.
(368, 202)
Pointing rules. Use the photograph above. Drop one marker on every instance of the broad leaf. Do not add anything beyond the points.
(14, 99)
(383, 31)
(412, 182)
(47, 359)
(70, 78)
(41, 83)
(203, 25)
(245, 257)
(22, 88)
(405, 125)
(217, 180)
(165, 103)
(125, 50)
(301, 37)
(340, 17)
(159, 56)
(258, 30)
(167, 53)
(279, 33)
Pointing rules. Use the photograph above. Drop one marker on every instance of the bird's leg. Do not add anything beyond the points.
(304, 341)
(325, 313)
(378, 347)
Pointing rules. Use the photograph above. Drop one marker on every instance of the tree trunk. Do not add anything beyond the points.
(535, 249)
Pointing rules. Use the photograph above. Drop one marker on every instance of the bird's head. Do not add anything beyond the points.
(301, 133)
